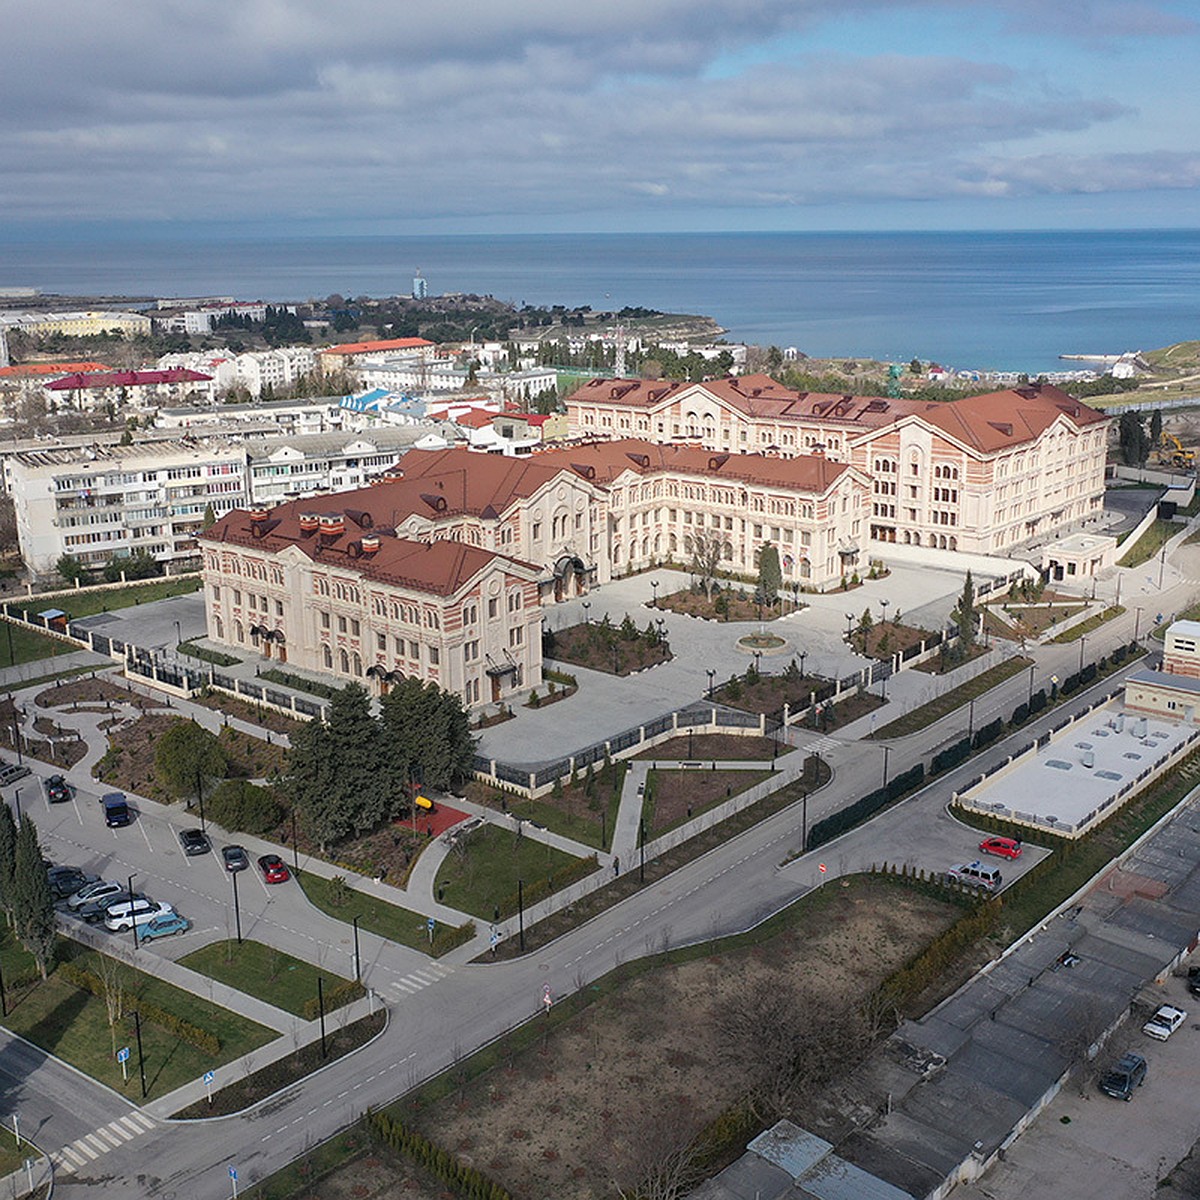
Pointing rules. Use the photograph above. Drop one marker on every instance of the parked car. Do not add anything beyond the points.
(1164, 1022)
(116, 810)
(94, 891)
(235, 858)
(58, 789)
(12, 772)
(164, 925)
(1193, 980)
(67, 883)
(96, 911)
(1125, 1078)
(1005, 847)
(274, 869)
(120, 917)
(975, 874)
(194, 842)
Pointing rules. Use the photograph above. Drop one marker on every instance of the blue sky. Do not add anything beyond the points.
(526, 115)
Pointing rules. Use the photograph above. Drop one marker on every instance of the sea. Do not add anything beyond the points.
(988, 301)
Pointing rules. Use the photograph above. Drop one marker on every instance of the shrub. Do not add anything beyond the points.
(1038, 702)
(951, 756)
(243, 807)
(344, 993)
(447, 937)
(1020, 714)
(986, 734)
(539, 889)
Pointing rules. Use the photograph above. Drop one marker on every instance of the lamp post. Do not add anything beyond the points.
(1032, 668)
(804, 822)
(662, 630)
(711, 676)
(1082, 643)
(803, 656)
(295, 843)
(237, 912)
(757, 660)
(795, 595)
(849, 625)
(521, 913)
(357, 959)
(1162, 566)
(17, 804)
(971, 718)
(132, 922)
(642, 850)
(654, 589)
(886, 751)
(883, 604)
(178, 635)
(200, 799)
(586, 605)
(1137, 620)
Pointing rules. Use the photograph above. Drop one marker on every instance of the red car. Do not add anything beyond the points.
(273, 868)
(1003, 846)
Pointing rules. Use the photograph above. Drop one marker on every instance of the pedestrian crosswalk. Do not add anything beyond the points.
(92, 1145)
(821, 745)
(422, 977)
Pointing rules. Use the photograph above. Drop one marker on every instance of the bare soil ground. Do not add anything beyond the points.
(377, 1175)
(714, 747)
(73, 692)
(732, 606)
(683, 794)
(566, 1116)
(769, 693)
(884, 640)
(267, 718)
(602, 648)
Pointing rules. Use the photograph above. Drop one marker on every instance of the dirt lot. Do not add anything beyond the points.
(714, 747)
(679, 795)
(376, 1175)
(568, 1115)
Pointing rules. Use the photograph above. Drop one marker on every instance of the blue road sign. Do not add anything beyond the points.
(431, 924)
(233, 1173)
(123, 1054)
(209, 1077)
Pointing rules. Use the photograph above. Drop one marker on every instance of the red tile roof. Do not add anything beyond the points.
(77, 382)
(440, 567)
(409, 343)
(22, 370)
(475, 418)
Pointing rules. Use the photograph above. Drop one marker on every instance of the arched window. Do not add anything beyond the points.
(343, 662)
(357, 665)
(238, 633)
(327, 655)
(218, 629)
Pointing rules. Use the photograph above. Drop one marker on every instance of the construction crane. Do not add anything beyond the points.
(1172, 452)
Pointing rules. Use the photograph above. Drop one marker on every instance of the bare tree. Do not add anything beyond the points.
(1081, 1047)
(658, 1155)
(111, 974)
(706, 550)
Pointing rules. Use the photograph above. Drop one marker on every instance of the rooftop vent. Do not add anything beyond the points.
(586, 470)
(332, 525)
(370, 545)
(362, 519)
(309, 523)
(437, 503)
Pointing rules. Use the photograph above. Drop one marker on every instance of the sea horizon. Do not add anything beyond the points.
(998, 300)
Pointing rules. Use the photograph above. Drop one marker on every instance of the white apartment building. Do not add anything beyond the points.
(284, 468)
(255, 370)
(316, 414)
(104, 502)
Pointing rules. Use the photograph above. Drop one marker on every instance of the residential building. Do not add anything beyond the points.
(280, 468)
(1173, 691)
(980, 474)
(100, 502)
(30, 378)
(77, 324)
(256, 370)
(130, 389)
(314, 414)
(348, 355)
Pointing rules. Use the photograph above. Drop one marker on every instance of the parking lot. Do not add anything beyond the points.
(1089, 1146)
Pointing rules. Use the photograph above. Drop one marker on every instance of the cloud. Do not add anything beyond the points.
(298, 108)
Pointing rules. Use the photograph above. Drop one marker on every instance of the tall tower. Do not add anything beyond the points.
(620, 363)
(420, 289)
(3, 347)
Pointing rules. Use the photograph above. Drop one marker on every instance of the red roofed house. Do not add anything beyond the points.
(136, 389)
(340, 358)
(980, 474)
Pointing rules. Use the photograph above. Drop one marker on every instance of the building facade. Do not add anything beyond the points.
(100, 503)
(984, 473)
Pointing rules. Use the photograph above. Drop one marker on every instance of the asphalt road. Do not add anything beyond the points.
(728, 889)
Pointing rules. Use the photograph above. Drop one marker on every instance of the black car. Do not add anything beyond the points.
(58, 789)
(67, 883)
(235, 858)
(194, 841)
(1125, 1078)
(96, 911)
(1193, 980)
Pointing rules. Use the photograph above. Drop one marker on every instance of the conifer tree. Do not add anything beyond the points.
(33, 902)
(8, 858)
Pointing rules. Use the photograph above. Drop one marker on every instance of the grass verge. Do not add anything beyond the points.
(12, 1157)
(596, 902)
(270, 975)
(947, 702)
(387, 920)
(1149, 544)
(1093, 622)
(72, 1024)
(483, 873)
(285, 1071)
(20, 644)
(579, 826)
(88, 603)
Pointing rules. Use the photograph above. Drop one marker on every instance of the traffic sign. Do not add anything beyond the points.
(233, 1172)
(431, 924)
(209, 1076)
(821, 868)
(123, 1054)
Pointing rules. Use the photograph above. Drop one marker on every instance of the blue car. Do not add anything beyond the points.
(165, 925)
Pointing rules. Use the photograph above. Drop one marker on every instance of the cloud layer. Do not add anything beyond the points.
(514, 108)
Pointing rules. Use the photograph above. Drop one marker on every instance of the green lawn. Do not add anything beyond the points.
(10, 1157)
(21, 645)
(581, 825)
(88, 602)
(1093, 622)
(486, 872)
(72, 1024)
(387, 920)
(1149, 544)
(946, 703)
(261, 971)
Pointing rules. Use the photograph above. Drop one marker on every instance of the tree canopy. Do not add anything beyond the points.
(188, 757)
(770, 575)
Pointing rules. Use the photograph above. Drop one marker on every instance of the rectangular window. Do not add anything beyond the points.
(434, 656)
(237, 596)
(341, 624)
(414, 649)
(279, 608)
(493, 607)
(324, 620)
(354, 628)
(381, 641)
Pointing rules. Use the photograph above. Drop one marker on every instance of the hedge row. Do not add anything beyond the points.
(469, 1183)
(344, 993)
(954, 754)
(863, 809)
(201, 1039)
(985, 735)
(449, 936)
(539, 889)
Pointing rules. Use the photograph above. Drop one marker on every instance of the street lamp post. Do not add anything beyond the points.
(132, 922)
(586, 605)
(1137, 621)
(642, 850)
(357, 959)
(971, 718)
(886, 752)
(200, 798)
(295, 843)
(17, 804)
(803, 656)
(711, 676)
(1082, 643)
(178, 635)
(849, 625)
(883, 604)
(804, 822)
(1032, 668)
(757, 660)
(237, 912)
(654, 589)
(1162, 566)
(521, 913)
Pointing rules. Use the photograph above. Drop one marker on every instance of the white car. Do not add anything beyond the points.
(1164, 1022)
(140, 912)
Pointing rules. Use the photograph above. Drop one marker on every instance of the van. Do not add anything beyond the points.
(116, 810)
(125, 914)
(976, 874)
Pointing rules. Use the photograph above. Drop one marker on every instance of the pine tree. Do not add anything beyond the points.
(34, 903)
(8, 858)
(770, 576)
